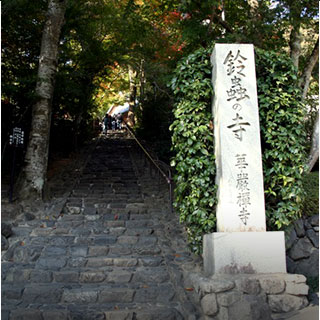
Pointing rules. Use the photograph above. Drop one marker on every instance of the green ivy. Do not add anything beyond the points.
(311, 187)
(192, 141)
(284, 140)
(282, 134)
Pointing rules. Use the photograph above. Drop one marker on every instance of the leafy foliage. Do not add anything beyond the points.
(22, 24)
(102, 39)
(152, 124)
(192, 141)
(283, 142)
(311, 187)
(313, 283)
(283, 137)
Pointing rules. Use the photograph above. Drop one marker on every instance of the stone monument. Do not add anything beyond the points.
(241, 243)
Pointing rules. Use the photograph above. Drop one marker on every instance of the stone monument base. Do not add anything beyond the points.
(244, 252)
(248, 296)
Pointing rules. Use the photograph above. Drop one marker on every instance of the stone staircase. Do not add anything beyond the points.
(115, 251)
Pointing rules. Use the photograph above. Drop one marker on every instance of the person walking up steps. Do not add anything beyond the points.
(105, 123)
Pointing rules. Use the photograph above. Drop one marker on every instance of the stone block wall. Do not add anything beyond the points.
(249, 296)
(263, 296)
(302, 245)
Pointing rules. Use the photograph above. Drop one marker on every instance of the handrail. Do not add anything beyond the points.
(168, 179)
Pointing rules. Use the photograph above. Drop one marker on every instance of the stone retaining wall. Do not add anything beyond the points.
(263, 296)
(302, 244)
(249, 296)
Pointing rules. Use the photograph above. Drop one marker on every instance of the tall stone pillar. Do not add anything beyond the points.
(241, 243)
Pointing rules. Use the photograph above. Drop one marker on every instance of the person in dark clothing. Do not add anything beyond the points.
(113, 123)
(105, 123)
(109, 122)
(119, 120)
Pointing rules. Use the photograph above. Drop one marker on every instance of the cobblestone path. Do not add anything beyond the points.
(114, 252)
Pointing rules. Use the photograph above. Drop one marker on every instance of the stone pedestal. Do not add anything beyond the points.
(244, 252)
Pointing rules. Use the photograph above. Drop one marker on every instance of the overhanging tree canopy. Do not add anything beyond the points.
(104, 40)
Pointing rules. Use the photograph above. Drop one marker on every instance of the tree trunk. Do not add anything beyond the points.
(133, 95)
(306, 76)
(142, 80)
(34, 175)
(314, 152)
(304, 84)
(295, 45)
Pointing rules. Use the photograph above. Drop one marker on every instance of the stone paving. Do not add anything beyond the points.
(115, 251)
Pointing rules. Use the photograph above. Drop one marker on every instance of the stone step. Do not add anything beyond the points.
(94, 224)
(86, 313)
(109, 224)
(96, 275)
(132, 206)
(92, 306)
(104, 257)
(106, 216)
(104, 270)
(107, 198)
(87, 237)
(58, 252)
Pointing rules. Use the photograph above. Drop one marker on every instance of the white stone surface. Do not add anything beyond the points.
(244, 252)
(237, 140)
(297, 289)
(209, 304)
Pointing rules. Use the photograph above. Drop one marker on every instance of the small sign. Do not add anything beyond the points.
(17, 137)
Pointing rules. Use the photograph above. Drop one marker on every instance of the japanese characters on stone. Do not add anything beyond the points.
(243, 197)
(235, 109)
(235, 70)
(236, 94)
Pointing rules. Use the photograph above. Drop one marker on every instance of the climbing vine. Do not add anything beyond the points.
(192, 141)
(284, 139)
(282, 134)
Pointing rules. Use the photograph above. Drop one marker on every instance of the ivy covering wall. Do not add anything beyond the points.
(192, 141)
(282, 134)
(284, 139)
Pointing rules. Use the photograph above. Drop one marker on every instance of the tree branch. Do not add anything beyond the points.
(211, 21)
(305, 79)
(221, 22)
(314, 152)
